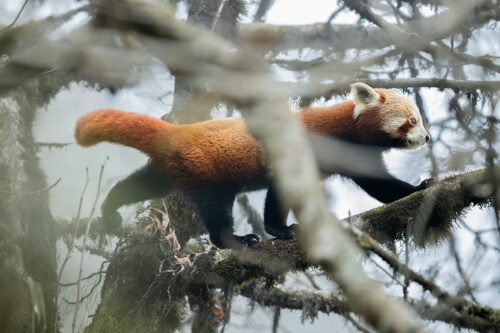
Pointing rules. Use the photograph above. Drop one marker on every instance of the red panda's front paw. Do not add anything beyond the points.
(248, 240)
(226, 240)
(426, 183)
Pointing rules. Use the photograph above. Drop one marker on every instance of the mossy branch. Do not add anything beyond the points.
(312, 302)
(270, 260)
(429, 215)
(254, 272)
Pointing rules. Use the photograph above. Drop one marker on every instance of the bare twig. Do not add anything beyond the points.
(333, 15)
(356, 324)
(458, 263)
(35, 192)
(80, 271)
(276, 319)
(88, 277)
(17, 16)
(217, 14)
(70, 248)
(100, 274)
(52, 144)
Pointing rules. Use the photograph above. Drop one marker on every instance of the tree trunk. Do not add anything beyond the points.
(27, 237)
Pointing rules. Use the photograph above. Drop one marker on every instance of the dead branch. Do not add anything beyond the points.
(35, 192)
(17, 16)
(70, 247)
(82, 257)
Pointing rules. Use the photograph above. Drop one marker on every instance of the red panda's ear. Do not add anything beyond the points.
(364, 97)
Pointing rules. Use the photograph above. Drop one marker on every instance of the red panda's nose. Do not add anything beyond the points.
(427, 138)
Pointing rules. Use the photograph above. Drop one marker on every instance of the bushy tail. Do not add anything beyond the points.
(130, 129)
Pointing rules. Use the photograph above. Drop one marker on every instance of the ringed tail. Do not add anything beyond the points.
(126, 128)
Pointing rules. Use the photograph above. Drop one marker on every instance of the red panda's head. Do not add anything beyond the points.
(388, 118)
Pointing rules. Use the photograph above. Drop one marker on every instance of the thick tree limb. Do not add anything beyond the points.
(312, 302)
(428, 214)
(314, 91)
(343, 37)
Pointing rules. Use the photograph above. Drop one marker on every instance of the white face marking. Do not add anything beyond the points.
(417, 135)
(392, 124)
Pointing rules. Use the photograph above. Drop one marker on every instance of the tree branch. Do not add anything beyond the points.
(312, 302)
(342, 37)
(314, 91)
(431, 212)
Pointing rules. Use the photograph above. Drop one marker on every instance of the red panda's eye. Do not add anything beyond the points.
(413, 121)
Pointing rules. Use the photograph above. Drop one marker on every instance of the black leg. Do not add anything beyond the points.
(215, 208)
(145, 183)
(387, 189)
(275, 217)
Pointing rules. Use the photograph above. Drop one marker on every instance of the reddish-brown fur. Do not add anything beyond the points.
(126, 128)
(218, 152)
(206, 153)
(337, 121)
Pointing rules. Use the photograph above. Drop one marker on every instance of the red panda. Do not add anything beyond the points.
(212, 161)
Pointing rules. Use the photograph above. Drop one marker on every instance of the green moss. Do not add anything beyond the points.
(428, 215)
(135, 297)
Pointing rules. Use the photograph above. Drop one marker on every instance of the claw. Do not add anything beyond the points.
(249, 240)
(427, 183)
(235, 242)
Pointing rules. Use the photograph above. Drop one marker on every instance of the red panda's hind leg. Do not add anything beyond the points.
(143, 184)
(275, 217)
(215, 208)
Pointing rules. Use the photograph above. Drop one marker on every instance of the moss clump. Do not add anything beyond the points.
(136, 297)
(428, 215)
